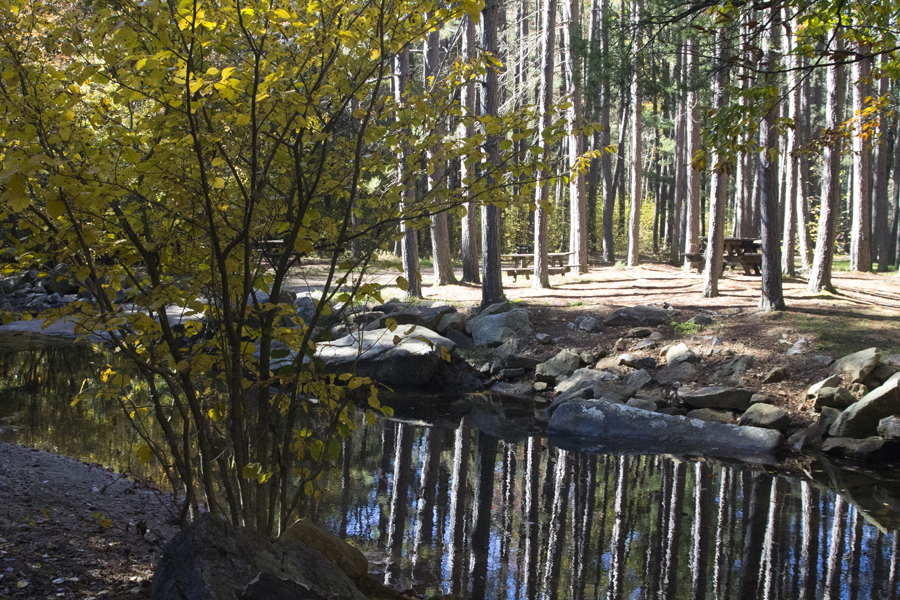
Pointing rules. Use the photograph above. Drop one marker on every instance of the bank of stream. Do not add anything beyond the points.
(466, 495)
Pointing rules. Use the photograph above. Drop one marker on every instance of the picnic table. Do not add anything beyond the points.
(737, 252)
(271, 251)
(556, 263)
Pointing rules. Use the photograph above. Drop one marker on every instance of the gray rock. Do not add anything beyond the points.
(493, 327)
(799, 347)
(621, 344)
(518, 361)
(808, 439)
(211, 559)
(892, 359)
(760, 398)
(415, 314)
(701, 320)
(350, 560)
(644, 344)
(639, 332)
(266, 586)
(612, 390)
(716, 397)
(680, 353)
(394, 359)
(823, 359)
(656, 336)
(871, 449)
(827, 418)
(835, 397)
(462, 341)
(732, 371)
(564, 363)
(518, 389)
(859, 389)
(621, 428)
(58, 282)
(858, 365)
(683, 372)
(642, 404)
(879, 375)
(766, 416)
(641, 316)
(628, 360)
(305, 306)
(543, 338)
(587, 358)
(589, 324)
(639, 379)
(451, 320)
(507, 374)
(889, 428)
(508, 348)
(861, 419)
(599, 352)
(540, 386)
(832, 381)
(673, 410)
(583, 378)
(713, 415)
(775, 375)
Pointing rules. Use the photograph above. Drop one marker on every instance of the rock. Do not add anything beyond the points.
(799, 347)
(642, 404)
(507, 374)
(716, 397)
(599, 352)
(835, 397)
(656, 336)
(462, 341)
(639, 332)
(498, 323)
(827, 418)
(639, 379)
(673, 410)
(808, 439)
(823, 359)
(451, 320)
(641, 316)
(701, 320)
(364, 317)
(872, 449)
(612, 390)
(713, 415)
(620, 428)
(879, 375)
(519, 389)
(211, 559)
(583, 378)
(684, 372)
(409, 363)
(543, 338)
(509, 347)
(57, 282)
(644, 344)
(680, 353)
(889, 428)
(732, 371)
(270, 587)
(760, 398)
(775, 375)
(586, 358)
(564, 363)
(350, 560)
(858, 390)
(637, 363)
(621, 344)
(421, 315)
(540, 386)
(833, 381)
(305, 307)
(861, 419)
(766, 416)
(589, 324)
(858, 365)
(517, 361)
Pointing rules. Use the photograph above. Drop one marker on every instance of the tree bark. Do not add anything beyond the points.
(679, 160)
(634, 221)
(880, 215)
(860, 238)
(692, 117)
(469, 232)
(492, 286)
(545, 98)
(409, 243)
(578, 223)
(718, 186)
(605, 137)
(820, 276)
(789, 237)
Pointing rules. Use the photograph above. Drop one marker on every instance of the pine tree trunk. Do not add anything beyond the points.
(469, 227)
(692, 117)
(545, 98)
(679, 160)
(634, 221)
(409, 243)
(820, 276)
(895, 224)
(492, 286)
(578, 223)
(860, 238)
(718, 185)
(802, 132)
(880, 216)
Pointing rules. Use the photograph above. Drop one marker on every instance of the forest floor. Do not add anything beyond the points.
(75, 531)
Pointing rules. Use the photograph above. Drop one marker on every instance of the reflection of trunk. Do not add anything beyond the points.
(722, 567)
(532, 501)
(855, 554)
(674, 530)
(387, 444)
(346, 458)
(835, 553)
(895, 568)
(481, 521)
(399, 491)
(662, 521)
(585, 490)
(810, 548)
(619, 532)
(458, 505)
(702, 512)
(755, 523)
(557, 530)
(508, 508)
(427, 492)
(769, 558)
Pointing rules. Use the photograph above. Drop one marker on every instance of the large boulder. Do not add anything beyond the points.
(498, 323)
(861, 419)
(876, 449)
(638, 316)
(620, 428)
(422, 315)
(834, 397)
(766, 416)
(396, 359)
(583, 378)
(212, 560)
(858, 365)
(350, 560)
(728, 398)
(562, 365)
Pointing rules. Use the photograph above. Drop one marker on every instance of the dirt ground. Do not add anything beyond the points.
(69, 530)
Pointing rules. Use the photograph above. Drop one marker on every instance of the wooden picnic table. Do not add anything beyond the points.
(271, 250)
(737, 252)
(521, 263)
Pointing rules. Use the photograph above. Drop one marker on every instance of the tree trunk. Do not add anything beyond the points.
(802, 131)
(545, 98)
(789, 237)
(469, 232)
(860, 238)
(492, 286)
(679, 159)
(409, 243)
(692, 117)
(820, 276)
(772, 296)
(718, 186)
(578, 223)
(880, 215)
(634, 221)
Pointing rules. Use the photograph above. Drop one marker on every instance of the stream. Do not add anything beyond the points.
(466, 496)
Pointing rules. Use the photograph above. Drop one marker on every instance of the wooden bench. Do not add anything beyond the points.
(751, 261)
(697, 260)
(514, 272)
(747, 262)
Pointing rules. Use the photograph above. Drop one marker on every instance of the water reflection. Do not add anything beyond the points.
(454, 509)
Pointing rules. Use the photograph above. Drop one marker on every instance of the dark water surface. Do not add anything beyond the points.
(471, 504)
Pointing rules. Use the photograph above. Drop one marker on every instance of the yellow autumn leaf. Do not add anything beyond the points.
(145, 454)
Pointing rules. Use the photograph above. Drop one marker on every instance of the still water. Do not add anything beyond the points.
(473, 504)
